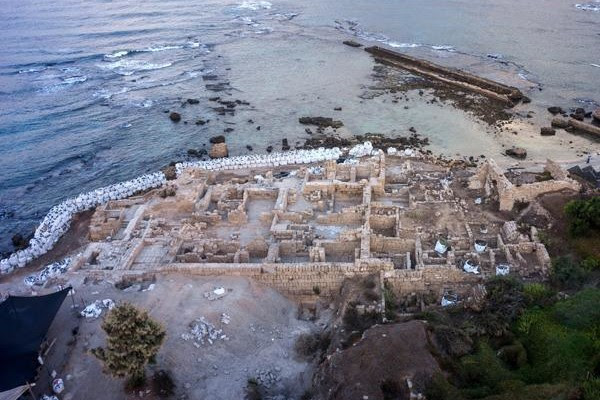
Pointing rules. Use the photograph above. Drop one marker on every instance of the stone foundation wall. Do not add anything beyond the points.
(292, 279)
(428, 279)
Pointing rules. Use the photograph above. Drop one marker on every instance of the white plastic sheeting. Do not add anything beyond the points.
(502, 269)
(480, 246)
(441, 246)
(471, 267)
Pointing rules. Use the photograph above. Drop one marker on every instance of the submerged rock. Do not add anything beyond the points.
(217, 139)
(322, 122)
(175, 116)
(555, 110)
(352, 43)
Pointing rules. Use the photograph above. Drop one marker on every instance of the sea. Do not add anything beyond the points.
(86, 87)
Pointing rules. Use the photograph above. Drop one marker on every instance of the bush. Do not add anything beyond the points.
(537, 294)
(581, 311)
(162, 383)
(133, 340)
(584, 215)
(513, 355)
(354, 321)
(309, 345)
(439, 388)
(483, 372)
(391, 303)
(591, 263)
(567, 273)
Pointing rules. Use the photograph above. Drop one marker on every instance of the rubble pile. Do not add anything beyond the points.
(267, 377)
(95, 309)
(202, 331)
(215, 294)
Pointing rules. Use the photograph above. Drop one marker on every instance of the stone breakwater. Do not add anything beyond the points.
(58, 219)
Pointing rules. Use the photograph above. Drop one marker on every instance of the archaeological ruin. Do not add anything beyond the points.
(424, 226)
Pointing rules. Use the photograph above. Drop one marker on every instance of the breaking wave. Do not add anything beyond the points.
(117, 54)
(192, 44)
(353, 28)
(130, 67)
(255, 5)
(589, 6)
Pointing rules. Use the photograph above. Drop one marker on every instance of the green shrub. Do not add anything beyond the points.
(584, 215)
(537, 294)
(581, 311)
(312, 344)
(483, 372)
(513, 355)
(591, 389)
(355, 321)
(439, 388)
(591, 263)
(567, 273)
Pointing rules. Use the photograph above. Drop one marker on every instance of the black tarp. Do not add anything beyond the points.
(24, 323)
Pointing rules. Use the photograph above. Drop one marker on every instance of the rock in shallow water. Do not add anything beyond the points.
(175, 117)
(323, 122)
(218, 150)
(517, 152)
(560, 123)
(547, 131)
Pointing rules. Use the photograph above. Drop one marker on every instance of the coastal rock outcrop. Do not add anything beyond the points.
(596, 115)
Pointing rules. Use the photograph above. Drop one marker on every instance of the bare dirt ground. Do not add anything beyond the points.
(385, 356)
(261, 334)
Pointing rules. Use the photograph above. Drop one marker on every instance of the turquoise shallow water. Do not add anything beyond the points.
(83, 89)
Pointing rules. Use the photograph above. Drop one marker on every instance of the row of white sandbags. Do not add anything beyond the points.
(263, 160)
(58, 219)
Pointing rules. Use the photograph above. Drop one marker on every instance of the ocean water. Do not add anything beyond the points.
(84, 87)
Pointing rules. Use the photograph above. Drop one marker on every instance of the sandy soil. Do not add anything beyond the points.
(262, 332)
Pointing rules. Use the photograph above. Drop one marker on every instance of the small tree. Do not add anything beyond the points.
(133, 340)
